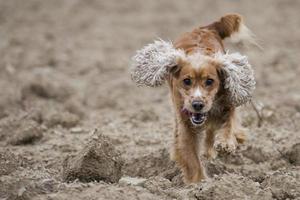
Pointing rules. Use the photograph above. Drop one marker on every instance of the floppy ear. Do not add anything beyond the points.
(238, 76)
(152, 64)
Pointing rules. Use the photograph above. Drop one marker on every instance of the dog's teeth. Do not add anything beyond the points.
(198, 118)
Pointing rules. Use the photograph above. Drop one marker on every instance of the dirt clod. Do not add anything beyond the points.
(229, 187)
(8, 162)
(45, 85)
(15, 190)
(256, 154)
(157, 183)
(64, 119)
(284, 184)
(99, 160)
(294, 154)
(132, 181)
(153, 164)
(19, 131)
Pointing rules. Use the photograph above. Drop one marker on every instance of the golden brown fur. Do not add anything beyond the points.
(221, 131)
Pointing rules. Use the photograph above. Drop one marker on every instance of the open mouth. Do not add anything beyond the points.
(197, 119)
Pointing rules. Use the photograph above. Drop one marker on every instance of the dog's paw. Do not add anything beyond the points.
(225, 145)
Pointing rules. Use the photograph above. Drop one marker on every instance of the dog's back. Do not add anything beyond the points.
(208, 39)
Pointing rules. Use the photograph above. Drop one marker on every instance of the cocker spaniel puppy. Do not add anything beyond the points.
(207, 84)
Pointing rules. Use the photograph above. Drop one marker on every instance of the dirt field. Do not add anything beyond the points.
(64, 80)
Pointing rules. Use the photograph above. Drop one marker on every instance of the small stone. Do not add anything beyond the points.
(132, 181)
(21, 191)
(76, 130)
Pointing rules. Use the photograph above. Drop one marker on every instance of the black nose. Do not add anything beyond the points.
(197, 105)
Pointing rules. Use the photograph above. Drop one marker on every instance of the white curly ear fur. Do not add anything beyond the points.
(239, 78)
(152, 64)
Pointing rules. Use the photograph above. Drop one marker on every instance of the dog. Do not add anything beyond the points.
(206, 84)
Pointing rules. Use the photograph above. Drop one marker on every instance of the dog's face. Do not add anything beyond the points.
(196, 77)
(197, 82)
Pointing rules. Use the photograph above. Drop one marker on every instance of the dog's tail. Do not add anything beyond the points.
(232, 26)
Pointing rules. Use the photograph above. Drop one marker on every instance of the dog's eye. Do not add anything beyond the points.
(209, 82)
(187, 81)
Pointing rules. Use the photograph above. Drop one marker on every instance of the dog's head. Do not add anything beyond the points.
(195, 78)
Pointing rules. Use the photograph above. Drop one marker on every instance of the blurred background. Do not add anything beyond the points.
(64, 71)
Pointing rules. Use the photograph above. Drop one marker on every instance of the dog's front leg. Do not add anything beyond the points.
(186, 154)
(226, 137)
(210, 151)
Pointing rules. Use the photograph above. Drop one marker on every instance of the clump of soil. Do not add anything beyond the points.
(44, 84)
(20, 131)
(256, 154)
(157, 163)
(15, 189)
(283, 184)
(228, 187)
(294, 154)
(65, 116)
(8, 162)
(99, 160)
(27, 184)
(65, 119)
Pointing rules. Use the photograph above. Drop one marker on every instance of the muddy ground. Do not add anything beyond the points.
(64, 79)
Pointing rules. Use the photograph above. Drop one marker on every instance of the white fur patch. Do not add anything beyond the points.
(196, 59)
(197, 92)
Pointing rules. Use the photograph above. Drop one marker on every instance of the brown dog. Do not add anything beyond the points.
(206, 85)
